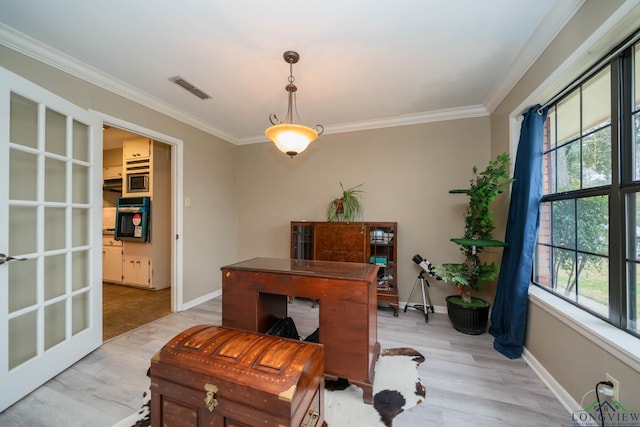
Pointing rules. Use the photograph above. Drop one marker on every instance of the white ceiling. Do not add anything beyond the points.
(364, 64)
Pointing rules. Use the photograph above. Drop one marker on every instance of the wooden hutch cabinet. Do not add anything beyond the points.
(365, 242)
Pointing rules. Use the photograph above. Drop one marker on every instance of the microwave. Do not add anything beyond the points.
(138, 183)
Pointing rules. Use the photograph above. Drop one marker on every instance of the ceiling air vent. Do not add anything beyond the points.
(188, 86)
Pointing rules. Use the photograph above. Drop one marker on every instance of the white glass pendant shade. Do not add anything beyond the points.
(290, 138)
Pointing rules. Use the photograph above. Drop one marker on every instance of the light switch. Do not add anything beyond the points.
(187, 201)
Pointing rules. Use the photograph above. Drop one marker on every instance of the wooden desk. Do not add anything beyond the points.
(254, 294)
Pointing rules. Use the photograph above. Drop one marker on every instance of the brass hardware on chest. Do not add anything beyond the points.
(211, 400)
(228, 274)
(313, 415)
(196, 380)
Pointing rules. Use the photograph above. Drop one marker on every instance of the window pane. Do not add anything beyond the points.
(635, 135)
(55, 172)
(81, 315)
(564, 224)
(22, 286)
(564, 264)
(633, 226)
(593, 283)
(568, 173)
(551, 131)
(549, 175)
(633, 299)
(80, 227)
(548, 160)
(635, 122)
(596, 158)
(56, 133)
(593, 225)
(568, 126)
(81, 184)
(23, 121)
(544, 230)
(596, 101)
(22, 338)
(79, 270)
(54, 228)
(80, 141)
(636, 67)
(25, 240)
(23, 173)
(54, 276)
(54, 330)
(542, 267)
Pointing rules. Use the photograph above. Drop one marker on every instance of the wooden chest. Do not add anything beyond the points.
(219, 376)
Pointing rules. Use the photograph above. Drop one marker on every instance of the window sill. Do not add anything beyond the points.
(620, 344)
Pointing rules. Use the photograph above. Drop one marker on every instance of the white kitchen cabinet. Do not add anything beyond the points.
(126, 262)
(112, 172)
(137, 148)
(111, 260)
(137, 271)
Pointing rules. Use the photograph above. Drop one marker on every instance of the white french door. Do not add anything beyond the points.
(50, 214)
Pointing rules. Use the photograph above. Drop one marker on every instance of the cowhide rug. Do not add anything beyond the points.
(396, 388)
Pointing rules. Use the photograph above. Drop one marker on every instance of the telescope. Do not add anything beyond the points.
(426, 266)
(426, 305)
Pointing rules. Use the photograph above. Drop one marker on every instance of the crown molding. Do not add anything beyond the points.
(411, 119)
(39, 51)
(404, 120)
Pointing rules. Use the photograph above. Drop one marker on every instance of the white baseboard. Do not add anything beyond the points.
(568, 402)
(201, 299)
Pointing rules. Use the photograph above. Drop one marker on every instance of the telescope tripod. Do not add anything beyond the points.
(426, 300)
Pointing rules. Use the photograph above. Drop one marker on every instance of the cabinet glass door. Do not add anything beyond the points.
(302, 241)
(381, 241)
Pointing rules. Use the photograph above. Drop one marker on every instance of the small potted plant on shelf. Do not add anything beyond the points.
(348, 206)
(470, 314)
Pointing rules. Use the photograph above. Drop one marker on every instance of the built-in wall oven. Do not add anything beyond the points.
(133, 218)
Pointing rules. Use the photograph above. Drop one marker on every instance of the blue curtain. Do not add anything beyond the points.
(509, 314)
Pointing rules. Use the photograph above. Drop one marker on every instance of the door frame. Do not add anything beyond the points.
(177, 156)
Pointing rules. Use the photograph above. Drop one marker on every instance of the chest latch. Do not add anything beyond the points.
(211, 400)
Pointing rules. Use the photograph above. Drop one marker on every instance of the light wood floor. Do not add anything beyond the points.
(468, 383)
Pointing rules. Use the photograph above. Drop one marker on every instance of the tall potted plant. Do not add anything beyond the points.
(470, 314)
(348, 206)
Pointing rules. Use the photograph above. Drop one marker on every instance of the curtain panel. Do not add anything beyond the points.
(509, 313)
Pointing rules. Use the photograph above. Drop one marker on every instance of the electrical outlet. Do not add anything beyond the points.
(616, 387)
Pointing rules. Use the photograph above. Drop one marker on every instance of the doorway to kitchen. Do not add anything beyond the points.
(138, 273)
(125, 308)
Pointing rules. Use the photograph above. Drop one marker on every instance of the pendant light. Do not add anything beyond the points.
(291, 138)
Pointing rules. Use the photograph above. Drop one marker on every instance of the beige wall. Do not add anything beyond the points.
(572, 359)
(210, 223)
(407, 173)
